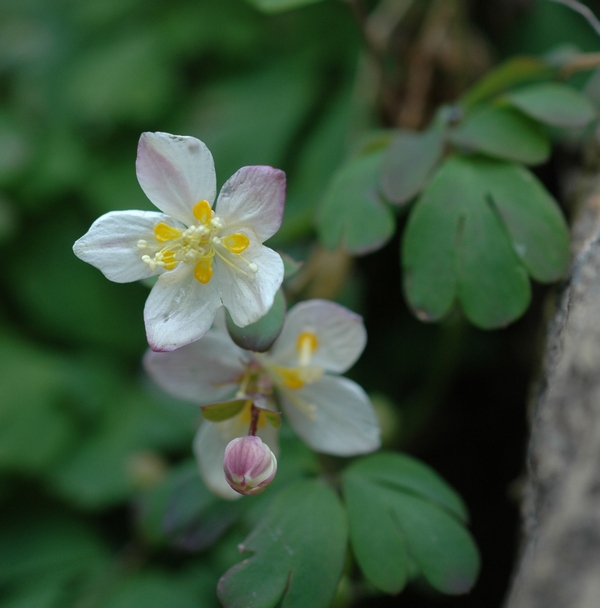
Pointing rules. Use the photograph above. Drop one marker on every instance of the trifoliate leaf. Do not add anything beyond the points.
(405, 520)
(502, 132)
(352, 214)
(409, 162)
(473, 236)
(259, 336)
(298, 550)
(554, 103)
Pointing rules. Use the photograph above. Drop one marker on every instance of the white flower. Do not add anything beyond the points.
(205, 258)
(319, 340)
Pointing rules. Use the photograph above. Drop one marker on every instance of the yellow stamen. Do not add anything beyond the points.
(202, 211)
(203, 271)
(163, 232)
(236, 242)
(307, 343)
(169, 260)
(291, 378)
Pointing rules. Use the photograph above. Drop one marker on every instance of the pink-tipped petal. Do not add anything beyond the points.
(249, 295)
(175, 172)
(254, 197)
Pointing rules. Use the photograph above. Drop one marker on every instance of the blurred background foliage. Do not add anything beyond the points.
(101, 505)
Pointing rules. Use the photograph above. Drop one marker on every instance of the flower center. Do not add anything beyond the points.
(199, 245)
(304, 373)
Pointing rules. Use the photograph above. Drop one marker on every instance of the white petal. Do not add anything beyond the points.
(209, 447)
(175, 172)
(248, 296)
(340, 333)
(111, 244)
(344, 421)
(179, 309)
(253, 197)
(204, 372)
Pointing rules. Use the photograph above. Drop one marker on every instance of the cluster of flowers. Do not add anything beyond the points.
(204, 262)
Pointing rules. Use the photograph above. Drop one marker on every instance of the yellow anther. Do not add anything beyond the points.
(203, 271)
(169, 260)
(291, 378)
(163, 232)
(236, 243)
(202, 211)
(307, 343)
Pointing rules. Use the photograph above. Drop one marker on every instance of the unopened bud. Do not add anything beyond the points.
(249, 465)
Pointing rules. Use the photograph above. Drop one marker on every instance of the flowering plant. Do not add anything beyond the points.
(332, 414)
(203, 260)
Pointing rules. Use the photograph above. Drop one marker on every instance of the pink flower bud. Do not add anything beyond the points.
(249, 465)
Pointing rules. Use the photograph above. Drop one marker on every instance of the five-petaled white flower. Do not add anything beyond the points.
(205, 258)
(319, 340)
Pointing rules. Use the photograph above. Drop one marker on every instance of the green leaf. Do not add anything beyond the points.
(152, 589)
(535, 224)
(554, 103)
(259, 336)
(405, 520)
(181, 510)
(472, 238)
(275, 6)
(35, 429)
(217, 412)
(409, 162)
(515, 71)
(273, 418)
(352, 214)
(502, 132)
(298, 550)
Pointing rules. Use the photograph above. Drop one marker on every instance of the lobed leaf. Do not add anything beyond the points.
(352, 214)
(409, 162)
(554, 103)
(298, 550)
(404, 520)
(502, 132)
(476, 232)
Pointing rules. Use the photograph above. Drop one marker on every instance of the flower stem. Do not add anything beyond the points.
(253, 420)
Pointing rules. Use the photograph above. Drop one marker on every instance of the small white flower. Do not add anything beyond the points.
(205, 257)
(319, 340)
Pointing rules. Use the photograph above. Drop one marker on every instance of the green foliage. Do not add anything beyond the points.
(409, 161)
(352, 214)
(297, 558)
(273, 6)
(554, 104)
(503, 133)
(476, 232)
(406, 522)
